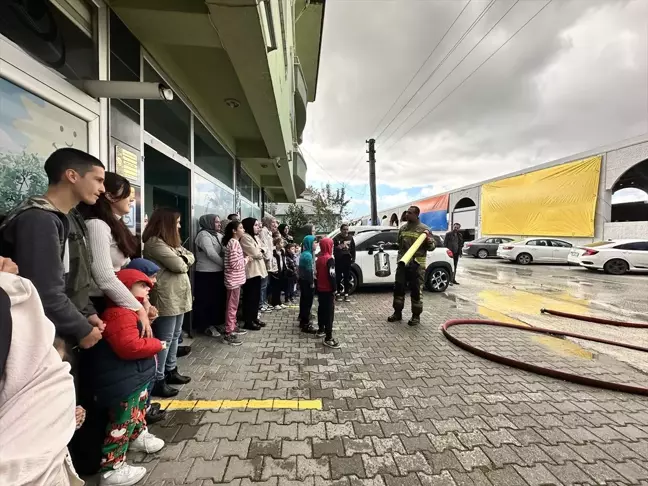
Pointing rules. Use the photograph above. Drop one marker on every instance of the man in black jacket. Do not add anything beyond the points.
(344, 253)
(453, 241)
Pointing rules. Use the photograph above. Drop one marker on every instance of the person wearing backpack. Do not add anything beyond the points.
(209, 284)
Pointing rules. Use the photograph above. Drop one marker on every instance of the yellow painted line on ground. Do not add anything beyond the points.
(216, 405)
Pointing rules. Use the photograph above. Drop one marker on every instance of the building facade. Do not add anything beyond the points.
(99, 76)
(569, 198)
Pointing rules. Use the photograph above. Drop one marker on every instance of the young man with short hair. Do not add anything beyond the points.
(344, 252)
(413, 273)
(46, 237)
(453, 241)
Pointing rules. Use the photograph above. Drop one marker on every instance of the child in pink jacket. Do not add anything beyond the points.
(235, 263)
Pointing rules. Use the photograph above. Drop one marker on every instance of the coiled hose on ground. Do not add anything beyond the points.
(583, 380)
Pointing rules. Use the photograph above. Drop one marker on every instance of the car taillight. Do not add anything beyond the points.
(468, 245)
(507, 248)
(589, 252)
(449, 252)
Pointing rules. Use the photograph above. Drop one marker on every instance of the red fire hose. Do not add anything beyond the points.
(541, 370)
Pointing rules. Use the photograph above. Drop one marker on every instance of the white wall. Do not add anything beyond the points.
(632, 229)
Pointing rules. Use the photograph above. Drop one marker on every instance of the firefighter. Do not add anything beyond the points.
(411, 274)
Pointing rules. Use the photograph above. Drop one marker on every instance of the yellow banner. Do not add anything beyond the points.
(557, 201)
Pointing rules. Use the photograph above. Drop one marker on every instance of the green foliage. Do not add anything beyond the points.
(330, 207)
(295, 216)
(21, 176)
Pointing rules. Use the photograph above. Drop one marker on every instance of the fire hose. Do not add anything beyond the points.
(541, 370)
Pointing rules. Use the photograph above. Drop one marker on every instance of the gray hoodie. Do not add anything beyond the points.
(35, 235)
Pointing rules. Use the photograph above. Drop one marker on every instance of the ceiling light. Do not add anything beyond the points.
(232, 103)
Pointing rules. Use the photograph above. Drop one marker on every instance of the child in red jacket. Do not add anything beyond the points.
(326, 289)
(124, 365)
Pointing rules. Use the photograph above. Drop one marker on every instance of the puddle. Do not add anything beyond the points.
(563, 347)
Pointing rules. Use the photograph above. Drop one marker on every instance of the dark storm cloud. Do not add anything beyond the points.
(573, 79)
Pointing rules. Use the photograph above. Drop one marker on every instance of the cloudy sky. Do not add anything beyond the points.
(573, 79)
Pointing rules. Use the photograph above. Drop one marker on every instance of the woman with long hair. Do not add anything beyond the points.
(393, 221)
(235, 262)
(209, 277)
(255, 271)
(171, 294)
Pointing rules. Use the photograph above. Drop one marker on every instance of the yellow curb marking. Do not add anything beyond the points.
(216, 405)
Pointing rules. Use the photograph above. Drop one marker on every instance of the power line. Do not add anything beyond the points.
(451, 71)
(357, 162)
(314, 160)
(450, 52)
(471, 74)
(421, 67)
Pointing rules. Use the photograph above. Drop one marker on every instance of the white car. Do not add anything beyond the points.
(535, 250)
(439, 262)
(614, 257)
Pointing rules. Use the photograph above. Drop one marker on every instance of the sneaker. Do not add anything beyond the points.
(308, 329)
(395, 317)
(124, 475)
(232, 340)
(266, 308)
(414, 321)
(146, 442)
(155, 415)
(183, 351)
(331, 343)
(320, 333)
(454, 282)
(282, 306)
(211, 331)
(239, 332)
(346, 298)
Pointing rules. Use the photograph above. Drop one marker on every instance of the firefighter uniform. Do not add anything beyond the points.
(411, 275)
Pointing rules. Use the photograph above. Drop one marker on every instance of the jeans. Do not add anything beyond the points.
(305, 302)
(263, 301)
(168, 329)
(233, 296)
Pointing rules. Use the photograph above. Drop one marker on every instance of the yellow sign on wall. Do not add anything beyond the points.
(557, 201)
(127, 164)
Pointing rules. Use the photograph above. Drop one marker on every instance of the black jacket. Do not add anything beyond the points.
(453, 242)
(348, 250)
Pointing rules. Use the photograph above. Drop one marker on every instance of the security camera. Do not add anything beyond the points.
(127, 90)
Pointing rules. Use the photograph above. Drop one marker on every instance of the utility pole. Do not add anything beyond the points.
(372, 180)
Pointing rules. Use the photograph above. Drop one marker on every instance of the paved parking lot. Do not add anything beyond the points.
(402, 406)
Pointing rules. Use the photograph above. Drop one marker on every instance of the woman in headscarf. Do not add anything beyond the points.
(284, 231)
(255, 271)
(209, 283)
(307, 284)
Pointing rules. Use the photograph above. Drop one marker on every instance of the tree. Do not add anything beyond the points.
(295, 216)
(330, 207)
(21, 176)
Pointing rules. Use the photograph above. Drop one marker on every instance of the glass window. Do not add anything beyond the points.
(211, 157)
(30, 130)
(637, 246)
(247, 209)
(51, 37)
(210, 198)
(560, 244)
(537, 243)
(124, 58)
(168, 121)
(245, 185)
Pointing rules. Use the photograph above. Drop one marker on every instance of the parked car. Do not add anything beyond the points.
(439, 262)
(535, 250)
(484, 247)
(615, 257)
(356, 230)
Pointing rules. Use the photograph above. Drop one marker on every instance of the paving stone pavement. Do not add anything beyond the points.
(401, 406)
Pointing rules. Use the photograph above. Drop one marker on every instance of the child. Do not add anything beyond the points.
(291, 274)
(124, 366)
(326, 289)
(306, 284)
(153, 412)
(234, 266)
(278, 278)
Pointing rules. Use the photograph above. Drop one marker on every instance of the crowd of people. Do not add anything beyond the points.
(93, 329)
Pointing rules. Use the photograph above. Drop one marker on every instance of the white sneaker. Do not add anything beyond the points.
(124, 475)
(146, 442)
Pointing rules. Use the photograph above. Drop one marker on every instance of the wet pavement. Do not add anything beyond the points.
(402, 406)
